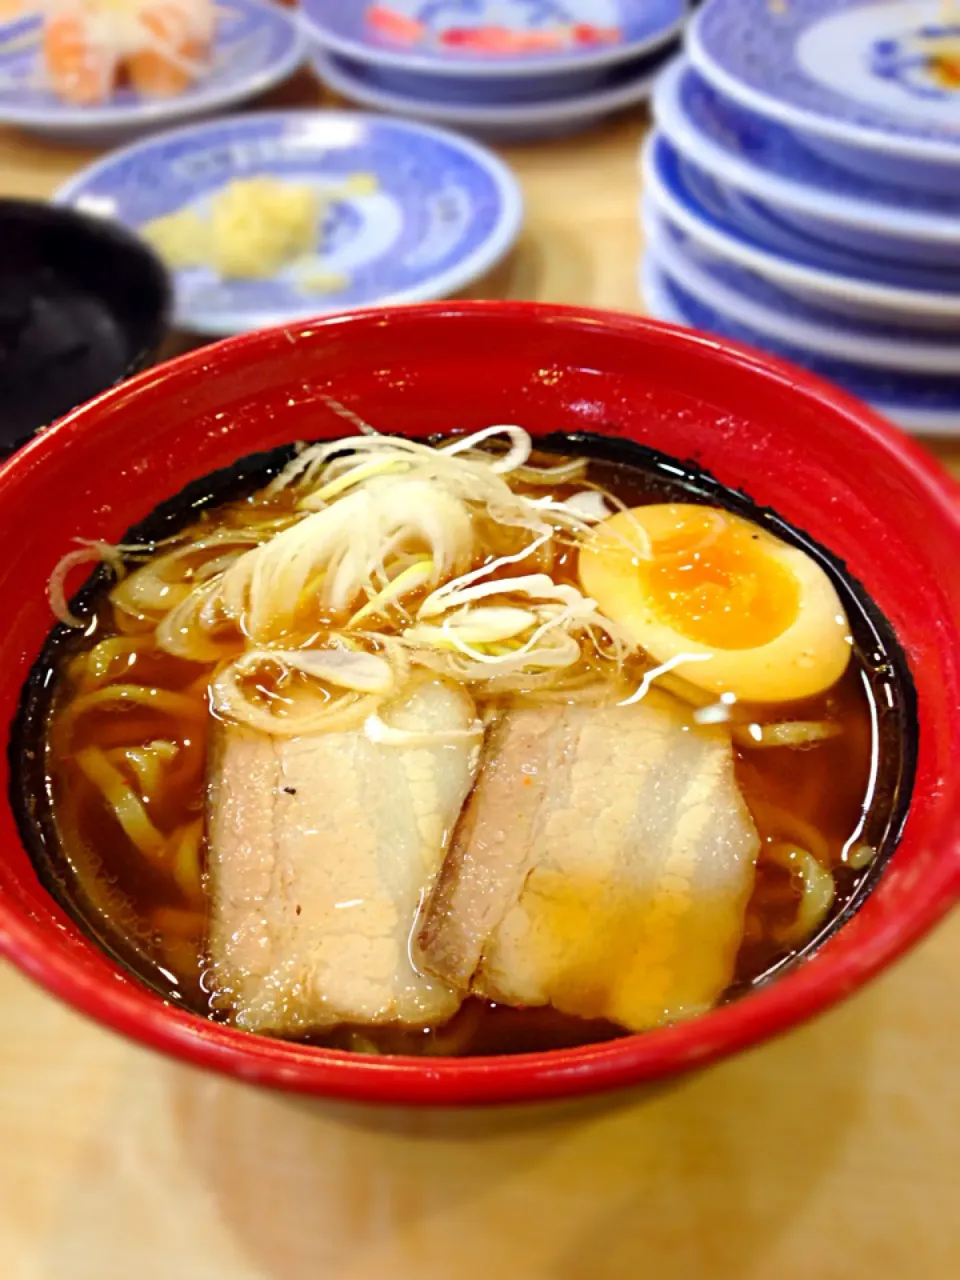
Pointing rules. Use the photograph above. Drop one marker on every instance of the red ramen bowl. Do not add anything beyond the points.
(789, 441)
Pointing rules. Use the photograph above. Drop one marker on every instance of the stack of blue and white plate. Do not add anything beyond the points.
(802, 193)
(508, 69)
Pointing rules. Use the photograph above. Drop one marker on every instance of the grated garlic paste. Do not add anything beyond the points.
(255, 227)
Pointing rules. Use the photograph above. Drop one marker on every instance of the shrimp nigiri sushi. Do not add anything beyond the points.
(12, 10)
(160, 47)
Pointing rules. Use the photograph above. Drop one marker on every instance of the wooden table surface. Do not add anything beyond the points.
(833, 1154)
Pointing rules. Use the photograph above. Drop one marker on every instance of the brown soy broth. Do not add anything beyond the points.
(821, 786)
(162, 929)
(135, 906)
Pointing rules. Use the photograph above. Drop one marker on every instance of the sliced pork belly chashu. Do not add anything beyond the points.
(602, 865)
(321, 851)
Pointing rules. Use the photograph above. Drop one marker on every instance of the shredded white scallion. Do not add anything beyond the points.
(373, 559)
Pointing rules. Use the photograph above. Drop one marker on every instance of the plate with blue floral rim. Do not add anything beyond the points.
(410, 212)
(745, 231)
(492, 37)
(766, 160)
(256, 45)
(505, 122)
(869, 75)
(494, 91)
(754, 301)
(923, 405)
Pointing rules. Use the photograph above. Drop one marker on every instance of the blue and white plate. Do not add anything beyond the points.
(871, 79)
(476, 90)
(766, 160)
(19, 23)
(256, 46)
(924, 405)
(520, 121)
(492, 91)
(744, 231)
(492, 37)
(749, 299)
(430, 213)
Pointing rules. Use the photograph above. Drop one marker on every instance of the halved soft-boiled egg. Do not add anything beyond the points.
(732, 608)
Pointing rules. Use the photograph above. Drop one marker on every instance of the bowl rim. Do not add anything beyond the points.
(767, 1012)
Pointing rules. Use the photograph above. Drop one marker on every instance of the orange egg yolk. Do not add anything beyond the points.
(946, 69)
(713, 581)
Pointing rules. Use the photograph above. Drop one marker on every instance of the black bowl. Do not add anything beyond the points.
(83, 304)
